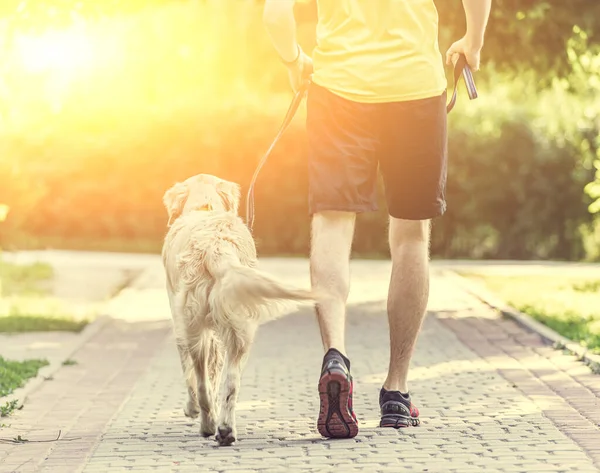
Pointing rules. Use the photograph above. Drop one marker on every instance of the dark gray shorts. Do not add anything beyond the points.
(348, 141)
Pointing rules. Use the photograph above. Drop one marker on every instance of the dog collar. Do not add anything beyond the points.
(204, 208)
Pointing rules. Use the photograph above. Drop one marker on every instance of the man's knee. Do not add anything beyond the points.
(332, 224)
(332, 234)
(408, 231)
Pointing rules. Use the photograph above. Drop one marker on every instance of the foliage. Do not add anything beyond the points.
(518, 169)
(179, 89)
(585, 82)
(528, 34)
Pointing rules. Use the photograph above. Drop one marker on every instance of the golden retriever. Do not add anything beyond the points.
(217, 296)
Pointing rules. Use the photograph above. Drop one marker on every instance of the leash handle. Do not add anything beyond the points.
(285, 124)
(462, 68)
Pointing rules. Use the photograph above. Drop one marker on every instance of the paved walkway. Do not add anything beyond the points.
(492, 397)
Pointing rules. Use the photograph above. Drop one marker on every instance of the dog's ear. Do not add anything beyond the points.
(174, 200)
(230, 194)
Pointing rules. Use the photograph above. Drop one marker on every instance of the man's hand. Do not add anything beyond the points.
(477, 13)
(300, 70)
(462, 46)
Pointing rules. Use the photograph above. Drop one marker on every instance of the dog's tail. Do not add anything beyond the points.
(239, 286)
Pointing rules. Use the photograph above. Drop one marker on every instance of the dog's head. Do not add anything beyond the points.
(201, 192)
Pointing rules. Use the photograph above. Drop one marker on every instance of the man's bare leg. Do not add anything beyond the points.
(407, 302)
(332, 234)
(408, 295)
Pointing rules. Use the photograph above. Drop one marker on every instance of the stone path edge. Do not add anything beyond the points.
(558, 341)
(124, 401)
(21, 394)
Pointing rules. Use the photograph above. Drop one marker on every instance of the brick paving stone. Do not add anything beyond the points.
(80, 400)
(473, 416)
(493, 397)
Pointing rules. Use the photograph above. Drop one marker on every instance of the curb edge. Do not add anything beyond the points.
(558, 341)
(89, 331)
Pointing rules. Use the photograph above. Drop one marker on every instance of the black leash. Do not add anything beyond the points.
(461, 68)
(286, 122)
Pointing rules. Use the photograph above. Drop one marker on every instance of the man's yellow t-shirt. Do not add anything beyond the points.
(379, 50)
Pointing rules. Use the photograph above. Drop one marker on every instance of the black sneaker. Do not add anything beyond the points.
(336, 416)
(397, 410)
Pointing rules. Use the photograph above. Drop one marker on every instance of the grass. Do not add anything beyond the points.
(19, 323)
(22, 286)
(567, 304)
(24, 279)
(23, 306)
(8, 408)
(13, 374)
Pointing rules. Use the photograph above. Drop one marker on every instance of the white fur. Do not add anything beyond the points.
(217, 296)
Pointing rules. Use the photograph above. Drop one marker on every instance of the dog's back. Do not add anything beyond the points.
(198, 243)
(214, 253)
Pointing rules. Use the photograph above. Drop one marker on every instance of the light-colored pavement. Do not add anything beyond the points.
(85, 276)
(492, 397)
(83, 283)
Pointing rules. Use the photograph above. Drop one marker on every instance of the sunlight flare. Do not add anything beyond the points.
(66, 51)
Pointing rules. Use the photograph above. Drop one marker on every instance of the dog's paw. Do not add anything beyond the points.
(191, 411)
(207, 429)
(225, 437)
(208, 425)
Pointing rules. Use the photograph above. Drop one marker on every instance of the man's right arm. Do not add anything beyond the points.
(477, 13)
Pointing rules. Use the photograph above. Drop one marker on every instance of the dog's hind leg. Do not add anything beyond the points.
(191, 406)
(237, 344)
(215, 367)
(180, 331)
(203, 354)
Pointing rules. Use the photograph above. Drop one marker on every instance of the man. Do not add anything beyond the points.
(377, 100)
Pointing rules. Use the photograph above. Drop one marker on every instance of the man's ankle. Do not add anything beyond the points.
(337, 347)
(335, 353)
(395, 386)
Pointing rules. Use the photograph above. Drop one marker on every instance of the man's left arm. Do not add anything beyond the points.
(279, 20)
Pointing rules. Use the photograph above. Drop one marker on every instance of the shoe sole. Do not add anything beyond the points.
(335, 419)
(399, 421)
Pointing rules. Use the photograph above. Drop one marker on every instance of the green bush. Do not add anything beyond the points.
(190, 93)
(518, 166)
